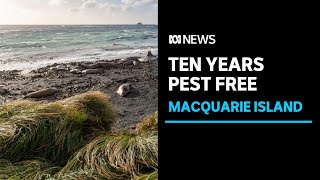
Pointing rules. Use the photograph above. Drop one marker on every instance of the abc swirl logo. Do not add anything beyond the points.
(174, 39)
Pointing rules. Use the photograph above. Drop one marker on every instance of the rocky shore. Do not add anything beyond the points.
(70, 79)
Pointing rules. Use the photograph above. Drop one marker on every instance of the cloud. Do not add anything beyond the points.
(57, 2)
(134, 3)
(123, 5)
(110, 6)
(89, 4)
(126, 5)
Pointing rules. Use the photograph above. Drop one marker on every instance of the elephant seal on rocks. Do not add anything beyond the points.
(105, 64)
(58, 68)
(149, 57)
(124, 89)
(92, 71)
(135, 63)
(90, 66)
(97, 65)
(42, 93)
(75, 71)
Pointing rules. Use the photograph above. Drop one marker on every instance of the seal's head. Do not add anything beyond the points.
(150, 54)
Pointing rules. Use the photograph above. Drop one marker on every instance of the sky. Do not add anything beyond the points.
(78, 12)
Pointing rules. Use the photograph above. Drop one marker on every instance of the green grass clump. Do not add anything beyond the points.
(53, 131)
(151, 176)
(95, 106)
(149, 123)
(121, 156)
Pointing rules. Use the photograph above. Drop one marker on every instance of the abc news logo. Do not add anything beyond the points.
(192, 39)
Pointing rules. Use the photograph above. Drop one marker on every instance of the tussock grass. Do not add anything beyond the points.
(151, 176)
(117, 156)
(36, 138)
(149, 123)
(53, 131)
(27, 170)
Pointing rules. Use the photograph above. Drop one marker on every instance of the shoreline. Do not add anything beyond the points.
(29, 62)
(131, 109)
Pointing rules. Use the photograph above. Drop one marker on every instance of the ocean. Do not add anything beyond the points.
(30, 47)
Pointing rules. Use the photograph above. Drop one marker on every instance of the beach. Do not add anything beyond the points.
(29, 53)
(71, 90)
(141, 101)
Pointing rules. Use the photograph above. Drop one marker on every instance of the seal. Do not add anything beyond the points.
(135, 63)
(124, 89)
(104, 64)
(42, 93)
(58, 68)
(92, 71)
(90, 66)
(75, 71)
(148, 57)
(97, 65)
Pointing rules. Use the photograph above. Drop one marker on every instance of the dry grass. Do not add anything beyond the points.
(151, 176)
(117, 156)
(27, 170)
(37, 137)
(52, 130)
(149, 123)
